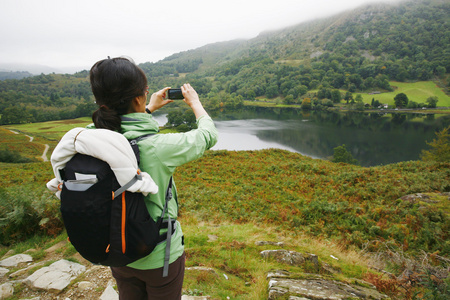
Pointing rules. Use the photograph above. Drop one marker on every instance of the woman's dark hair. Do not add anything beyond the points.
(115, 82)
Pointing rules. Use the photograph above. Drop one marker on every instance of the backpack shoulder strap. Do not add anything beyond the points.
(170, 223)
(169, 229)
(134, 146)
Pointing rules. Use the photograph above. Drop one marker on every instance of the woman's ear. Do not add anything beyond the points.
(138, 104)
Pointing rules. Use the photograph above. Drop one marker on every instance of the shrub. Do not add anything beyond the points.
(440, 147)
(18, 218)
(21, 213)
(342, 155)
(8, 156)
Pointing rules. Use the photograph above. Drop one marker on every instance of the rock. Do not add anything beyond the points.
(6, 290)
(109, 293)
(276, 292)
(278, 274)
(212, 238)
(85, 286)
(9, 253)
(56, 247)
(319, 289)
(185, 297)
(202, 269)
(13, 261)
(314, 261)
(23, 271)
(283, 256)
(3, 271)
(263, 243)
(55, 277)
(328, 269)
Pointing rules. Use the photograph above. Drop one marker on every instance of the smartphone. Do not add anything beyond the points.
(174, 94)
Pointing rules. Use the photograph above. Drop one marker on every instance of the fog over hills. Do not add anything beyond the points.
(35, 69)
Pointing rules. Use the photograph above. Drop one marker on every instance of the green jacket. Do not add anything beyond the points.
(160, 154)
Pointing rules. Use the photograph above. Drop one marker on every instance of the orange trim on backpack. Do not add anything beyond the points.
(60, 186)
(113, 195)
(124, 216)
(107, 248)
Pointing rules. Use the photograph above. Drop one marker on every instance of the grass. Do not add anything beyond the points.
(418, 92)
(313, 206)
(239, 271)
(52, 130)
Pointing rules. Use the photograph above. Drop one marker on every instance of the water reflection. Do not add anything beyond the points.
(373, 139)
(248, 135)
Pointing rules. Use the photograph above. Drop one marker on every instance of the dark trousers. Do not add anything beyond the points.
(134, 284)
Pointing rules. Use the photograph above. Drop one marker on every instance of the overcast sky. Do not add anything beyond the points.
(71, 35)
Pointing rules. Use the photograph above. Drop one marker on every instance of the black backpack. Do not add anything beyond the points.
(105, 223)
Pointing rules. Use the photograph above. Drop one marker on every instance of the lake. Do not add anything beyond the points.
(372, 138)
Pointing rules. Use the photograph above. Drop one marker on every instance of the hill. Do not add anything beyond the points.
(358, 51)
(4, 74)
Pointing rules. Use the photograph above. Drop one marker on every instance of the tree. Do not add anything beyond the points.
(306, 103)
(175, 117)
(432, 101)
(271, 91)
(342, 155)
(440, 147)
(336, 96)
(15, 115)
(359, 98)
(401, 100)
(289, 99)
(348, 97)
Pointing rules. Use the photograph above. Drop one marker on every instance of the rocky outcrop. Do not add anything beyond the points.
(54, 280)
(6, 290)
(317, 288)
(15, 260)
(55, 277)
(283, 284)
(58, 278)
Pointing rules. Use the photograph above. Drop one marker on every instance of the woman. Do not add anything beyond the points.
(120, 90)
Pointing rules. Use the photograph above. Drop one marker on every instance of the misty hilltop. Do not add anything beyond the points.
(417, 30)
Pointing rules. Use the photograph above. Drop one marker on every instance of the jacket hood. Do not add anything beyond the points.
(137, 124)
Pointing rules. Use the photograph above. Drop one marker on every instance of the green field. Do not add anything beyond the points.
(417, 92)
(53, 130)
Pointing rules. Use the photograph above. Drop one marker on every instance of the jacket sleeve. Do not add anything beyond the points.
(176, 149)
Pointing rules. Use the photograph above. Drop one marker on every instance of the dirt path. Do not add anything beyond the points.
(44, 154)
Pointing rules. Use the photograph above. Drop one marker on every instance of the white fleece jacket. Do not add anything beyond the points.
(109, 146)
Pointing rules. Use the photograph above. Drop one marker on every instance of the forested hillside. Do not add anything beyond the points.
(359, 50)
(45, 97)
(14, 75)
(356, 51)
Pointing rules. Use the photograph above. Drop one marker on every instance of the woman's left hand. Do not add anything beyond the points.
(157, 100)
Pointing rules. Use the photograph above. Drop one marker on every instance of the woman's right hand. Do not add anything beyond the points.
(191, 98)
